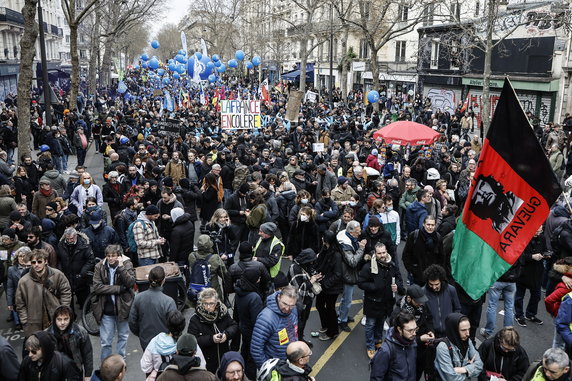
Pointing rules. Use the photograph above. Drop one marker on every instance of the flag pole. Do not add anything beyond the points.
(567, 202)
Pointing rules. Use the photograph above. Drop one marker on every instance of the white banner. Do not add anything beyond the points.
(235, 114)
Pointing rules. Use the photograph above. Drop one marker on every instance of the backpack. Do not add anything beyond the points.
(268, 372)
(131, 236)
(555, 238)
(200, 277)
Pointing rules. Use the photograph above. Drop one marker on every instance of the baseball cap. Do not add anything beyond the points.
(416, 293)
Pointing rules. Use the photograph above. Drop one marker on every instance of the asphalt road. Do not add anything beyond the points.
(341, 359)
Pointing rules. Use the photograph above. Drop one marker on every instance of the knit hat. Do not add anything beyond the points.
(15, 216)
(187, 344)
(374, 221)
(244, 188)
(53, 205)
(168, 181)
(268, 228)
(48, 225)
(95, 217)
(9, 232)
(151, 210)
(342, 180)
(374, 152)
(176, 213)
(245, 250)
(280, 280)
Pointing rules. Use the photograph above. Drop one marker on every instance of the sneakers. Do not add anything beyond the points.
(363, 319)
(370, 353)
(534, 319)
(323, 330)
(344, 327)
(324, 337)
(484, 333)
(520, 321)
(351, 320)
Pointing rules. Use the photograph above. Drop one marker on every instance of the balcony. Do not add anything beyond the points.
(10, 16)
(53, 29)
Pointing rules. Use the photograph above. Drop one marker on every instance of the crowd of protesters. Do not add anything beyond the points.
(273, 227)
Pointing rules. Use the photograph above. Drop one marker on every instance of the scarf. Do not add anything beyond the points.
(430, 239)
(415, 311)
(219, 311)
(46, 192)
(375, 263)
(400, 339)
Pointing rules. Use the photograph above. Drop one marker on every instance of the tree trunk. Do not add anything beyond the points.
(374, 73)
(106, 64)
(74, 86)
(27, 52)
(345, 61)
(486, 98)
(94, 46)
(303, 63)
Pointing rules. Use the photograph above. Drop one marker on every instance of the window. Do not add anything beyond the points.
(82, 54)
(455, 11)
(455, 55)
(428, 13)
(434, 54)
(67, 38)
(363, 49)
(403, 12)
(477, 7)
(400, 51)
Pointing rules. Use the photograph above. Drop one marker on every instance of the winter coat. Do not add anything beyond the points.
(237, 269)
(441, 304)
(224, 241)
(15, 273)
(394, 361)
(76, 261)
(113, 198)
(56, 366)
(121, 224)
(165, 227)
(558, 215)
(7, 205)
(408, 198)
(299, 276)
(39, 203)
(512, 365)
(119, 296)
(204, 330)
(287, 373)
(183, 368)
(56, 180)
(78, 343)
(552, 301)
(416, 257)
(329, 264)
(146, 237)
(248, 305)
(32, 296)
(326, 213)
(447, 225)
(190, 197)
(148, 314)
(100, 238)
(182, 238)
(273, 331)
(339, 194)
(564, 319)
(79, 196)
(233, 208)
(176, 171)
(382, 236)
(9, 363)
(303, 235)
(326, 182)
(209, 203)
(531, 271)
(218, 269)
(414, 216)
(351, 258)
(375, 279)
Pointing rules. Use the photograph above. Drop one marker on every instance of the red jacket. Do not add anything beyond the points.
(552, 301)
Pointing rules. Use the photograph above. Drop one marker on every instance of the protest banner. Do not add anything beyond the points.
(170, 126)
(236, 114)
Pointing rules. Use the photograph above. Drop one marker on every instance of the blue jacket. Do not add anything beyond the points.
(564, 319)
(273, 331)
(330, 213)
(100, 238)
(394, 361)
(441, 304)
(414, 216)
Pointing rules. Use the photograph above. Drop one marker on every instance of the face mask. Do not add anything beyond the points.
(353, 203)
(389, 208)
(304, 218)
(95, 226)
(304, 201)
(86, 181)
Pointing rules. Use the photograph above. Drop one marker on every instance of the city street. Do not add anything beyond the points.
(342, 359)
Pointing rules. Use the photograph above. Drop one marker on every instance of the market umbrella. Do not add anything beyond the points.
(407, 133)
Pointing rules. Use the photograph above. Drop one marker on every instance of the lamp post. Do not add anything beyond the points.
(46, 83)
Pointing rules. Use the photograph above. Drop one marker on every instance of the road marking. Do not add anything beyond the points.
(329, 352)
(357, 301)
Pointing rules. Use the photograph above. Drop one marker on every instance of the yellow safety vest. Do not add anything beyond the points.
(275, 241)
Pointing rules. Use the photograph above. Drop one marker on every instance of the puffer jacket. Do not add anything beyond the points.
(32, 297)
(552, 301)
(78, 343)
(122, 289)
(394, 360)
(351, 258)
(161, 346)
(564, 319)
(414, 216)
(273, 331)
(182, 238)
(76, 262)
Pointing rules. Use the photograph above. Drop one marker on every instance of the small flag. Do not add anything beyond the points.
(197, 69)
(203, 98)
(184, 42)
(204, 47)
(263, 91)
(466, 104)
(510, 197)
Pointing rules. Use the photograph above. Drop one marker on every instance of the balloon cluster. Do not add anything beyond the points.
(373, 96)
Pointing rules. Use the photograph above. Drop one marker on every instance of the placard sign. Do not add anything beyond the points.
(169, 127)
(235, 114)
(318, 147)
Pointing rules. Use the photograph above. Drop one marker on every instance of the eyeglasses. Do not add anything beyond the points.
(308, 355)
(32, 351)
(233, 372)
(209, 304)
(285, 305)
(412, 330)
(48, 209)
(39, 262)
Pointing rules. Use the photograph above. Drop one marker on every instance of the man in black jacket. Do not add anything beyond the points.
(296, 366)
(9, 363)
(246, 263)
(236, 205)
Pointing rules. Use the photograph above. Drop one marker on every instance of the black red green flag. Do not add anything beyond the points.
(510, 197)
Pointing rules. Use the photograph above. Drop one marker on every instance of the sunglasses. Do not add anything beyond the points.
(32, 351)
(39, 262)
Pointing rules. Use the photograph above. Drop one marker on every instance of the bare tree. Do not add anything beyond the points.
(170, 38)
(343, 9)
(27, 52)
(74, 15)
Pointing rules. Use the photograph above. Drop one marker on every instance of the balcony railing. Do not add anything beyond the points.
(11, 16)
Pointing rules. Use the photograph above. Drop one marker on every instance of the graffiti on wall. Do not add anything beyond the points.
(443, 99)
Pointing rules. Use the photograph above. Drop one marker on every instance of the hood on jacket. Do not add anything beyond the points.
(226, 359)
(163, 344)
(183, 364)
(417, 206)
(272, 304)
(306, 256)
(285, 368)
(186, 217)
(452, 331)
(48, 345)
(343, 238)
(204, 244)
(559, 211)
(82, 239)
(391, 337)
(52, 174)
(562, 267)
(176, 213)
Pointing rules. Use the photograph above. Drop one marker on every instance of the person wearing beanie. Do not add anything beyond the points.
(187, 363)
(269, 249)
(112, 194)
(182, 238)
(280, 281)
(147, 237)
(232, 368)
(247, 263)
(343, 192)
(218, 270)
(9, 243)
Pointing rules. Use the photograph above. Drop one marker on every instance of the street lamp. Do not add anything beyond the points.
(46, 83)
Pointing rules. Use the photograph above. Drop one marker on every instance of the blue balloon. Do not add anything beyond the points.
(256, 60)
(153, 63)
(144, 65)
(144, 57)
(136, 67)
(166, 81)
(176, 75)
(172, 67)
(155, 44)
(180, 69)
(373, 96)
(221, 68)
(199, 55)
(239, 55)
(180, 58)
(212, 78)
(217, 63)
(182, 52)
(210, 65)
(232, 63)
(249, 65)
(161, 71)
(216, 57)
(121, 87)
(202, 63)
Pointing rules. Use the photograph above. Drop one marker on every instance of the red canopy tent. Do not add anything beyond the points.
(407, 133)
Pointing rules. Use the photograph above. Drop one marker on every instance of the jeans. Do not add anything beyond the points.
(345, 303)
(557, 340)
(531, 307)
(508, 290)
(107, 331)
(373, 331)
(65, 162)
(147, 261)
(57, 159)
(15, 316)
(81, 156)
(10, 155)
